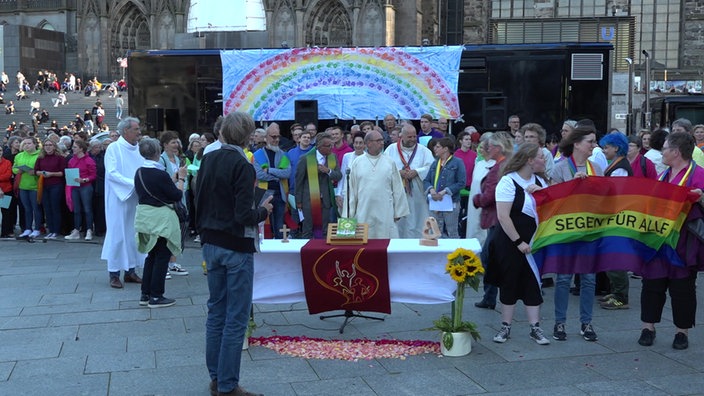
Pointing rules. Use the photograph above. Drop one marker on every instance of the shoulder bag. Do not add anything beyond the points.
(177, 206)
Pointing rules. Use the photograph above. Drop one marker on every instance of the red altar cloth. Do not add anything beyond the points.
(346, 277)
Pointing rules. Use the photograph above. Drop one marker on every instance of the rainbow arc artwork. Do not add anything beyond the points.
(348, 83)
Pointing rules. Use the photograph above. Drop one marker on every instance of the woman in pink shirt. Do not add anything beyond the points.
(82, 196)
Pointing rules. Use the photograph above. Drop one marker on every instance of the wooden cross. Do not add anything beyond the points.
(284, 230)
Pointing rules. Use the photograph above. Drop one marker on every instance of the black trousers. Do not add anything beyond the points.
(683, 299)
(99, 215)
(155, 266)
(9, 216)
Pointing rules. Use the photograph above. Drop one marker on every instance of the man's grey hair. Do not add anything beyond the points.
(684, 123)
(236, 128)
(322, 136)
(149, 148)
(125, 123)
(64, 142)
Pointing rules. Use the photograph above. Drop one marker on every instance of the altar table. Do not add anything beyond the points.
(416, 273)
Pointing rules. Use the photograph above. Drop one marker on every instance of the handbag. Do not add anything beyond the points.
(696, 227)
(178, 206)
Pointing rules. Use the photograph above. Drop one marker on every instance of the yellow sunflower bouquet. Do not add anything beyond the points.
(464, 268)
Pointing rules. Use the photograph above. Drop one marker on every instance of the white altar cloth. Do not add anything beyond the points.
(416, 273)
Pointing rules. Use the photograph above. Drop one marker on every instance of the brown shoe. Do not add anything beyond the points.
(115, 282)
(132, 277)
(239, 391)
(213, 388)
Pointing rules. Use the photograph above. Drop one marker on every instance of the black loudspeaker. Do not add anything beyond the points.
(155, 119)
(172, 118)
(306, 111)
(494, 113)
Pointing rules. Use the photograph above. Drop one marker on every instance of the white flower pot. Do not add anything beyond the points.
(461, 344)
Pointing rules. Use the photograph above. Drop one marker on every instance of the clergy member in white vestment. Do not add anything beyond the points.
(377, 197)
(122, 159)
(413, 161)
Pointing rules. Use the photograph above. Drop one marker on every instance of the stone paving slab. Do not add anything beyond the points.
(74, 385)
(57, 367)
(687, 384)
(621, 388)
(547, 389)
(125, 361)
(534, 374)
(644, 365)
(350, 386)
(84, 347)
(6, 369)
(336, 369)
(19, 351)
(437, 381)
(25, 322)
(191, 380)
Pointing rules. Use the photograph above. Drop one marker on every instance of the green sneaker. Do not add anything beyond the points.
(613, 304)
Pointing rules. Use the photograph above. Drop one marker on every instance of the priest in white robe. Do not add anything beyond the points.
(122, 159)
(376, 194)
(413, 161)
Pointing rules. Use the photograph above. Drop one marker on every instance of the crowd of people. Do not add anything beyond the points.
(478, 186)
(391, 177)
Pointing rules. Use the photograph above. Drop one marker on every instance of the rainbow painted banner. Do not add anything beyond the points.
(608, 223)
(348, 83)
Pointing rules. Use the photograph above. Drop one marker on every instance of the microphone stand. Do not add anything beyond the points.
(347, 183)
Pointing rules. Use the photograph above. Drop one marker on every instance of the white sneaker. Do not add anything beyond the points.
(168, 275)
(197, 239)
(75, 234)
(89, 235)
(50, 236)
(25, 233)
(176, 269)
(34, 234)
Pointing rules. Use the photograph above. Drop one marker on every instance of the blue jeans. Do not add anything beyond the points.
(586, 297)
(82, 205)
(32, 213)
(52, 202)
(230, 279)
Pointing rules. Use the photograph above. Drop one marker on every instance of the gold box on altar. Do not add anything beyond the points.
(361, 235)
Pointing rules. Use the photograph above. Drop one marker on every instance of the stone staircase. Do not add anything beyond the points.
(64, 115)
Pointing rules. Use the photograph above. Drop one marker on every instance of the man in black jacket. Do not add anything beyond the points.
(227, 219)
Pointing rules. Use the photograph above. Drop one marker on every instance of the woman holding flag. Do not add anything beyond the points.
(576, 147)
(512, 267)
(660, 275)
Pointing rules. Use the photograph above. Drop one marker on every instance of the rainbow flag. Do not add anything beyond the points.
(608, 223)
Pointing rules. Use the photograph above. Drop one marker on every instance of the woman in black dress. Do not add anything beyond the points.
(512, 267)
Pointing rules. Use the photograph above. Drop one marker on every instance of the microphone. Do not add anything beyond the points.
(347, 187)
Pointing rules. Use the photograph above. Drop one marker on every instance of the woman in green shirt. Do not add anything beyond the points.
(24, 169)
